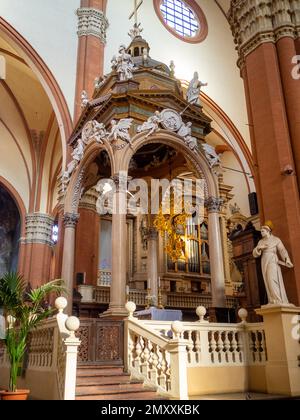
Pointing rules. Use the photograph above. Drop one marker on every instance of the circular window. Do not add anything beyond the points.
(184, 19)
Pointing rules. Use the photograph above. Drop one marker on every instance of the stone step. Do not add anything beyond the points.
(105, 389)
(136, 395)
(103, 379)
(96, 371)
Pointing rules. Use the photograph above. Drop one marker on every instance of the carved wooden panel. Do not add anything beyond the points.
(83, 351)
(101, 342)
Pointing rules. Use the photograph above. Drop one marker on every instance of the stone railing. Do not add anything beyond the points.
(102, 295)
(161, 353)
(154, 359)
(51, 360)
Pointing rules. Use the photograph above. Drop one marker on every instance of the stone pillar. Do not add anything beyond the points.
(216, 253)
(92, 26)
(282, 334)
(37, 249)
(87, 238)
(70, 223)
(152, 261)
(258, 29)
(119, 250)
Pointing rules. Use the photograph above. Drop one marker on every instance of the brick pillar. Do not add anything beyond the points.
(37, 249)
(87, 238)
(92, 28)
(260, 31)
(286, 49)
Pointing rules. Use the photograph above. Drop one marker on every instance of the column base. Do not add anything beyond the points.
(115, 313)
(282, 331)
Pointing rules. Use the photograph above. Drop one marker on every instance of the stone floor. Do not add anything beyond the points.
(240, 396)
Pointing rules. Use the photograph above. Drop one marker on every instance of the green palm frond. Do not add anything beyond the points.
(29, 310)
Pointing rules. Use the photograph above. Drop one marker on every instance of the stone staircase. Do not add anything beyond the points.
(110, 383)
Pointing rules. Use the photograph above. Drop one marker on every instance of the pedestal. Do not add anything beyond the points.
(282, 331)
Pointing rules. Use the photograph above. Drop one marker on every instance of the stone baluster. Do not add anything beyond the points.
(234, 345)
(228, 355)
(190, 347)
(138, 352)
(154, 365)
(213, 347)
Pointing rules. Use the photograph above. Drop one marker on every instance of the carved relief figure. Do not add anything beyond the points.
(84, 99)
(194, 89)
(151, 125)
(268, 249)
(211, 155)
(120, 130)
(77, 156)
(123, 64)
(94, 130)
(186, 132)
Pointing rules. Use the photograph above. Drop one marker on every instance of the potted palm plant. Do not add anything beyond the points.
(25, 310)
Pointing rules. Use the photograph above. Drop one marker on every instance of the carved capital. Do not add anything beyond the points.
(256, 22)
(92, 22)
(121, 181)
(71, 220)
(89, 200)
(214, 205)
(38, 229)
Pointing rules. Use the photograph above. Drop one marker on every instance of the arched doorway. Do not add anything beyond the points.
(10, 230)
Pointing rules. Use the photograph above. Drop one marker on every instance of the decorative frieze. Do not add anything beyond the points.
(71, 220)
(92, 22)
(256, 22)
(38, 229)
(214, 205)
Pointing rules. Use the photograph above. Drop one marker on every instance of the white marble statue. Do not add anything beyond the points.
(268, 248)
(123, 64)
(94, 130)
(151, 125)
(99, 81)
(211, 155)
(185, 131)
(136, 31)
(77, 156)
(119, 130)
(84, 99)
(194, 89)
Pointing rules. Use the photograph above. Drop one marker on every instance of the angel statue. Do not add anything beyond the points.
(211, 155)
(77, 156)
(94, 130)
(123, 64)
(84, 99)
(185, 131)
(136, 31)
(119, 130)
(151, 125)
(269, 248)
(194, 89)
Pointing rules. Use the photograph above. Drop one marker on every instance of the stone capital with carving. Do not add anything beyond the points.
(256, 22)
(38, 229)
(214, 205)
(71, 220)
(121, 181)
(92, 22)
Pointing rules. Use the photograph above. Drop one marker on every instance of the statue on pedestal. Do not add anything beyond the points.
(268, 248)
(123, 64)
(194, 89)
